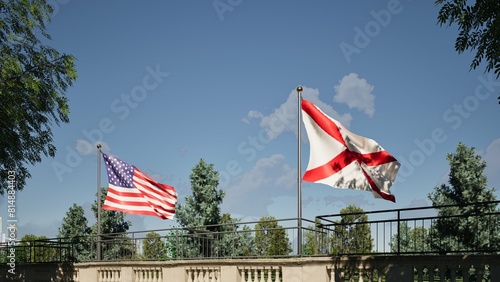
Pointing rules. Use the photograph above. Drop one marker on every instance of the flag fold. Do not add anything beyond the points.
(132, 191)
(342, 159)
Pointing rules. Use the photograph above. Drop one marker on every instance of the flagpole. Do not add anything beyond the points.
(98, 247)
(299, 172)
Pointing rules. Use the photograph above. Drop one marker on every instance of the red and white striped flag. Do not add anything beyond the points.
(342, 159)
(132, 191)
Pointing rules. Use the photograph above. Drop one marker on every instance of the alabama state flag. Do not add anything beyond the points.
(342, 159)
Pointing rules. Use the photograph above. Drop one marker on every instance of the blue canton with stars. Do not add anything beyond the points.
(120, 173)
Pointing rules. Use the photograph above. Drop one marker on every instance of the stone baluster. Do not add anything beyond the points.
(215, 274)
(262, 271)
(242, 273)
(109, 275)
(335, 274)
(102, 275)
(369, 274)
(198, 274)
(208, 275)
(76, 276)
(139, 275)
(270, 274)
(361, 273)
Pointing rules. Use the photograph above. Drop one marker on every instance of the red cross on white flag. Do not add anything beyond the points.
(342, 159)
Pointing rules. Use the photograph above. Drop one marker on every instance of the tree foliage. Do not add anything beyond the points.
(200, 214)
(479, 29)
(153, 247)
(316, 240)
(202, 207)
(233, 241)
(34, 248)
(114, 242)
(467, 184)
(271, 238)
(409, 240)
(33, 80)
(75, 231)
(351, 234)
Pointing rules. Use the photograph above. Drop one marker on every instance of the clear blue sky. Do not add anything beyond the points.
(164, 83)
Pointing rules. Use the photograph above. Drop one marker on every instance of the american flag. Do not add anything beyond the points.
(132, 191)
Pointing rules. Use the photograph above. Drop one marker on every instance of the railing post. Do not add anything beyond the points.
(399, 232)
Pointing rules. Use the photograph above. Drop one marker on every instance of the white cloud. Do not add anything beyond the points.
(356, 93)
(252, 115)
(284, 118)
(85, 148)
(253, 192)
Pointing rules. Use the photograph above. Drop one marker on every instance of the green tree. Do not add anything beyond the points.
(479, 230)
(34, 248)
(479, 29)
(153, 247)
(316, 241)
(114, 242)
(200, 214)
(33, 80)
(410, 240)
(232, 241)
(75, 231)
(351, 235)
(271, 238)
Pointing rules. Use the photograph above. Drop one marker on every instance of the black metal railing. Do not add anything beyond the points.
(415, 231)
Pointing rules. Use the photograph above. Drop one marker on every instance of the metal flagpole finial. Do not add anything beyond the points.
(98, 146)
(299, 89)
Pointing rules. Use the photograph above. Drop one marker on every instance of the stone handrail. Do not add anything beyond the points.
(296, 269)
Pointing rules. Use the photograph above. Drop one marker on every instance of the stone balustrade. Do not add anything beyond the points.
(295, 269)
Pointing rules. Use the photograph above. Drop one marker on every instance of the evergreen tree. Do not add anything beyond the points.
(232, 241)
(352, 234)
(34, 78)
(316, 241)
(479, 230)
(271, 238)
(411, 240)
(200, 214)
(114, 242)
(153, 247)
(75, 231)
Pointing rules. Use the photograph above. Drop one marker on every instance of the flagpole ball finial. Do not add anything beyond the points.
(299, 89)
(98, 146)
